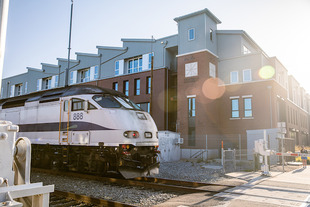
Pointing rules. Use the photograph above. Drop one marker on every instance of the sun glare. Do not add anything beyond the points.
(266, 72)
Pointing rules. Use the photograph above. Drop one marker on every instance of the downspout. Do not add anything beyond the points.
(167, 83)
(99, 72)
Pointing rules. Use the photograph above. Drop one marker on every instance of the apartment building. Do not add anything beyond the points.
(209, 85)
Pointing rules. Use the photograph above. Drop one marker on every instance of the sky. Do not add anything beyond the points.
(38, 30)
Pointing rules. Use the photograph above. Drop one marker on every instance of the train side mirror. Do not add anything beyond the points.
(86, 106)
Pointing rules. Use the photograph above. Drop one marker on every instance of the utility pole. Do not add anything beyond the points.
(69, 47)
(4, 10)
(152, 67)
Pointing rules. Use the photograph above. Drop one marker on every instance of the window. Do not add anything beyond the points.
(245, 50)
(19, 89)
(115, 86)
(148, 85)
(137, 87)
(71, 77)
(247, 107)
(84, 75)
(135, 65)
(211, 34)
(12, 92)
(128, 104)
(117, 68)
(91, 106)
(39, 84)
(126, 88)
(106, 101)
(247, 75)
(191, 107)
(93, 73)
(77, 104)
(191, 69)
(26, 87)
(212, 70)
(66, 106)
(56, 81)
(150, 60)
(96, 72)
(235, 108)
(47, 83)
(145, 106)
(191, 34)
(234, 77)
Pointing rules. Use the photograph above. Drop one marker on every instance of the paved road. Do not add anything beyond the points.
(278, 190)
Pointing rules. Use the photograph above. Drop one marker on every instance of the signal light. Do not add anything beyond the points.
(131, 134)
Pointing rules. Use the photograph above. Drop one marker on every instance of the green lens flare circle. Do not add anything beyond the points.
(267, 72)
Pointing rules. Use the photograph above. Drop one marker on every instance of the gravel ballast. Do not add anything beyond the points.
(181, 170)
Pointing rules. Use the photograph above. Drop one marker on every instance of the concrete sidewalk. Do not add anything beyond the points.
(280, 189)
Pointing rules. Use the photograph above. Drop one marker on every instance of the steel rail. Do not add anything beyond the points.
(162, 184)
(90, 200)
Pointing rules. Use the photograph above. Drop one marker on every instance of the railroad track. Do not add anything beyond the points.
(68, 199)
(166, 185)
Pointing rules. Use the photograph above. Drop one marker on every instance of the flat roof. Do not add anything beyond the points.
(204, 11)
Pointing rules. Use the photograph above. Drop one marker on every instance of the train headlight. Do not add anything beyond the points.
(148, 134)
(131, 134)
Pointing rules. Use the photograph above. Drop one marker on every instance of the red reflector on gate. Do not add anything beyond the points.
(294, 155)
(279, 154)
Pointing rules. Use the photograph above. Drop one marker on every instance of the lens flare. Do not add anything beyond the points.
(211, 88)
(266, 72)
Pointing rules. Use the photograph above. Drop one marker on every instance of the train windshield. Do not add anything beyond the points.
(108, 101)
(128, 104)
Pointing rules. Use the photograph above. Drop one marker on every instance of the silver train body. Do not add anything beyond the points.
(86, 129)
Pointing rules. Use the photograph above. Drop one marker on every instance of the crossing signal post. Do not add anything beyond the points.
(281, 137)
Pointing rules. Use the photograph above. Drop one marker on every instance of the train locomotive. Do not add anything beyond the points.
(85, 129)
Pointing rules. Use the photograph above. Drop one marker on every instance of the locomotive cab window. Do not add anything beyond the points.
(106, 101)
(66, 106)
(91, 106)
(77, 104)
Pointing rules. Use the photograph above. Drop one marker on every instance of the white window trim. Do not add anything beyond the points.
(191, 66)
(133, 61)
(53, 83)
(145, 61)
(92, 73)
(244, 75)
(12, 92)
(39, 84)
(231, 77)
(191, 96)
(212, 68)
(234, 97)
(248, 117)
(237, 118)
(245, 97)
(188, 33)
(121, 67)
(74, 77)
